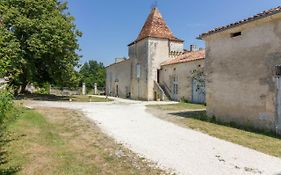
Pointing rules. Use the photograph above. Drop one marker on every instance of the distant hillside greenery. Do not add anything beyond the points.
(93, 72)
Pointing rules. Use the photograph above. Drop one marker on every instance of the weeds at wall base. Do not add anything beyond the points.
(232, 124)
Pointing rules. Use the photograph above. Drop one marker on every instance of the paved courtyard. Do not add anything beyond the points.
(185, 151)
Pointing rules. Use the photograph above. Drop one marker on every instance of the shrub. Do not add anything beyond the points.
(43, 89)
(6, 105)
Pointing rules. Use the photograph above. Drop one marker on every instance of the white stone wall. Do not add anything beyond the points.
(176, 46)
(149, 54)
(119, 74)
(241, 86)
(139, 56)
(158, 52)
(183, 72)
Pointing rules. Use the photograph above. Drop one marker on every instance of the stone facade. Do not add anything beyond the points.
(148, 54)
(118, 79)
(241, 84)
(178, 79)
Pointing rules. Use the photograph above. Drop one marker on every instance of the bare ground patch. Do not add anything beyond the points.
(61, 141)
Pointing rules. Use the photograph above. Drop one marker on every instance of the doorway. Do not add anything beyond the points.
(175, 88)
(158, 76)
(278, 98)
(198, 91)
(117, 90)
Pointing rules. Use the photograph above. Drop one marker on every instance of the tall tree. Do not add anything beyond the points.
(93, 72)
(10, 57)
(38, 41)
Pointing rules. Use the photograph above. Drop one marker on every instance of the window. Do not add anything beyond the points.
(176, 89)
(138, 69)
(233, 35)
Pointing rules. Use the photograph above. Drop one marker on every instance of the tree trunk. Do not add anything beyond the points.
(23, 88)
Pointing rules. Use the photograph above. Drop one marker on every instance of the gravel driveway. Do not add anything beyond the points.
(183, 150)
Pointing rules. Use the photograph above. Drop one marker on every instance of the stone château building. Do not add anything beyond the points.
(158, 67)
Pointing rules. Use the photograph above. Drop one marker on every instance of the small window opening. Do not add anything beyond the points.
(175, 68)
(233, 35)
(199, 65)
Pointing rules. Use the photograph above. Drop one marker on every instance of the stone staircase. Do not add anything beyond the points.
(167, 91)
(160, 93)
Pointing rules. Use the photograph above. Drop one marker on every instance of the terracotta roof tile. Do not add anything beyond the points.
(155, 26)
(255, 17)
(186, 57)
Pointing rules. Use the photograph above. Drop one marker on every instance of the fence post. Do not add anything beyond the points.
(83, 89)
(95, 89)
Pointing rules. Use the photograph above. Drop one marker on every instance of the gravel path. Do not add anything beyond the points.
(184, 150)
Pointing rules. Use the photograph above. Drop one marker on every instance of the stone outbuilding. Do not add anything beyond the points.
(118, 78)
(242, 84)
(141, 76)
(182, 77)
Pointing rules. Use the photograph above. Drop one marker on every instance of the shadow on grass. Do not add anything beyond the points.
(202, 116)
(42, 97)
(5, 167)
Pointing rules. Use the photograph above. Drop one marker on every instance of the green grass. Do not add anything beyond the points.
(74, 98)
(259, 141)
(178, 107)
(59, 141)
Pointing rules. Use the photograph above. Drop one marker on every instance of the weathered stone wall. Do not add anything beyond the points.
(183, 73)
(149, 54)
(241, 86)
(176, 46)
(119, 74)
(65, 91)
(158, 52)
(139, 55)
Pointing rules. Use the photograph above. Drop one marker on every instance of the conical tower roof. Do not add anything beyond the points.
(156, 27)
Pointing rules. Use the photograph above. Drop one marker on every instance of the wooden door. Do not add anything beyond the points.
(117, 91)
(198, 92)
(278, 123)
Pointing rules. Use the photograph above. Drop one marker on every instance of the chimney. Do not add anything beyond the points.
(193, 48)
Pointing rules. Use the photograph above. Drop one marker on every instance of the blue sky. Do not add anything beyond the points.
(108, 26)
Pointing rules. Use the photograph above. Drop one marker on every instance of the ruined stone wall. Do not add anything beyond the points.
(241, 86)
(119, 74)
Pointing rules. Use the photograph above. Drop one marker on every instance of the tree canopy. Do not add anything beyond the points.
(93, 72)
(38, 42)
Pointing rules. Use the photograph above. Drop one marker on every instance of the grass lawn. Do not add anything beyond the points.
(59, 141)
(266, 143)
(74, 98)
(178, 107)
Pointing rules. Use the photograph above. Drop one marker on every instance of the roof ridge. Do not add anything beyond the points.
(155, 26)
(257, 16)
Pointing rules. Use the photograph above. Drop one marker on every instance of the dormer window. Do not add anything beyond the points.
(236, 34)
